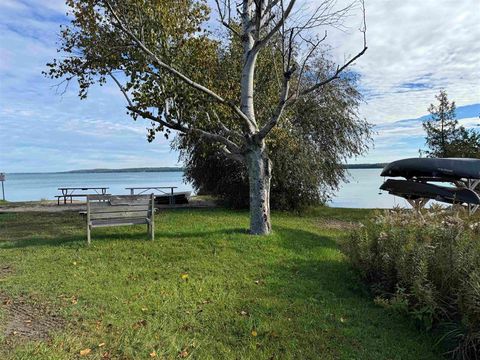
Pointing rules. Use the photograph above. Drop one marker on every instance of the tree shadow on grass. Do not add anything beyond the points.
(333, 311)
(138, 234)
(301, 241)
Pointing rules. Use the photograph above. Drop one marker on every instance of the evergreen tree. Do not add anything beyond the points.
(441, 128)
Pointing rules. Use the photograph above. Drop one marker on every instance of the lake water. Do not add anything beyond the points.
(361, 192)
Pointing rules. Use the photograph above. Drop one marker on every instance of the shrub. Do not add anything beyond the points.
(426, 265)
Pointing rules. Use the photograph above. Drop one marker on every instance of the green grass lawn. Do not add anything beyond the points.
(204, 289)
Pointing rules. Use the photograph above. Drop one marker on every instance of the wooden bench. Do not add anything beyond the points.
(120, 210)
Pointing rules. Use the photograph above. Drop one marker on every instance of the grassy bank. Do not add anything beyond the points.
(204, 289)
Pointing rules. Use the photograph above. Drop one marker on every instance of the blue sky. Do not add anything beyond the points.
(415, 49)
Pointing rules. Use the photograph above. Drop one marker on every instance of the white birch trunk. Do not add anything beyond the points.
(259, 173)
(258, 163)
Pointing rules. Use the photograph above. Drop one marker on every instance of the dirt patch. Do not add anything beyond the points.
(26, 320)
(52, 207)
(335, 224)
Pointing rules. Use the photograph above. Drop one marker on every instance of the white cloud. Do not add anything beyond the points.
(415, 48)
(431, 44)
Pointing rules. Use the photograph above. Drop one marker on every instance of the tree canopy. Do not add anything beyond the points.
(173, 72)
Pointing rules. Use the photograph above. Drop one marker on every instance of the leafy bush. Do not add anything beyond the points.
(426, 265)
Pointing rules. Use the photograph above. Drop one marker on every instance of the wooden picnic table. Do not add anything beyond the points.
(161, 189)
(71, 192)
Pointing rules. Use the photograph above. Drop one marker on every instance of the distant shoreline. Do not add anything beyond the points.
(126, 170)
(365, 166)
(170, 169)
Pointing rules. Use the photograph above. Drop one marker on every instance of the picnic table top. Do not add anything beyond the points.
(151, 187)
(82, 188)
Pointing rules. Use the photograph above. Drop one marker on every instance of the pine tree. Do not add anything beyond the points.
(441, 127)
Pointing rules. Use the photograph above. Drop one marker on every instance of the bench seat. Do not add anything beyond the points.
(120, 210)
(119, 222)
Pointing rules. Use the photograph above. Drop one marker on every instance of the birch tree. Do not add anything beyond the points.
(164, 62)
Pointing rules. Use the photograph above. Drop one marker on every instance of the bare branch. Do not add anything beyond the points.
(122, 89)
(231, 146)
(277, 114)
(233, 156)
(225, 129)
(285, 14)
(224, 20)
(340, 69)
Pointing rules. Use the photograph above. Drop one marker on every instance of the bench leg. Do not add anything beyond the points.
(88, 235)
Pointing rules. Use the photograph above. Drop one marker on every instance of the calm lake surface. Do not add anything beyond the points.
(361, 192)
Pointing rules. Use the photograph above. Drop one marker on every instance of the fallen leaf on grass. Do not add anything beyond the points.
(183, 354)
(139, 324)
(8, 302)
(85, 352)
(254, 333)
(153, 354)
(243, 313)
(184, 276)
(101, 345)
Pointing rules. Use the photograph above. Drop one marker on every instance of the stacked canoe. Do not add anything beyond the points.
(421, 174)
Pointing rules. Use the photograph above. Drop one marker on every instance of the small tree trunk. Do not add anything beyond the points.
(259, 171)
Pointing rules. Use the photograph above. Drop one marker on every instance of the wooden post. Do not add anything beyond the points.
(152, 217)
(88, 222)
(2, 179)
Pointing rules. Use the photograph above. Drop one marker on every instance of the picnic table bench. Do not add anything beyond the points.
(71, 192)
(120, 210)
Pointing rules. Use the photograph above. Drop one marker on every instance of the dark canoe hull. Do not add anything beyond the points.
(180, 198)
(413, 190)
(443, 169)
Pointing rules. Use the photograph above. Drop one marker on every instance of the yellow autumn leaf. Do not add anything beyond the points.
(254, 333)
(153, 354)
(184, 276)
(85, 352)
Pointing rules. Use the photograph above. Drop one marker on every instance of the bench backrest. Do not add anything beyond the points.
(104, 207)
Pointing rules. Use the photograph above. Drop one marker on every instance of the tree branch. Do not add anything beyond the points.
(177, 73)
(277, 114)
(223, 19)
(231, 146)
(347, 64)
(285, 14)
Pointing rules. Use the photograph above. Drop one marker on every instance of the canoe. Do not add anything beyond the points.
(434, 168)
(180, 198)
(413, 190)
